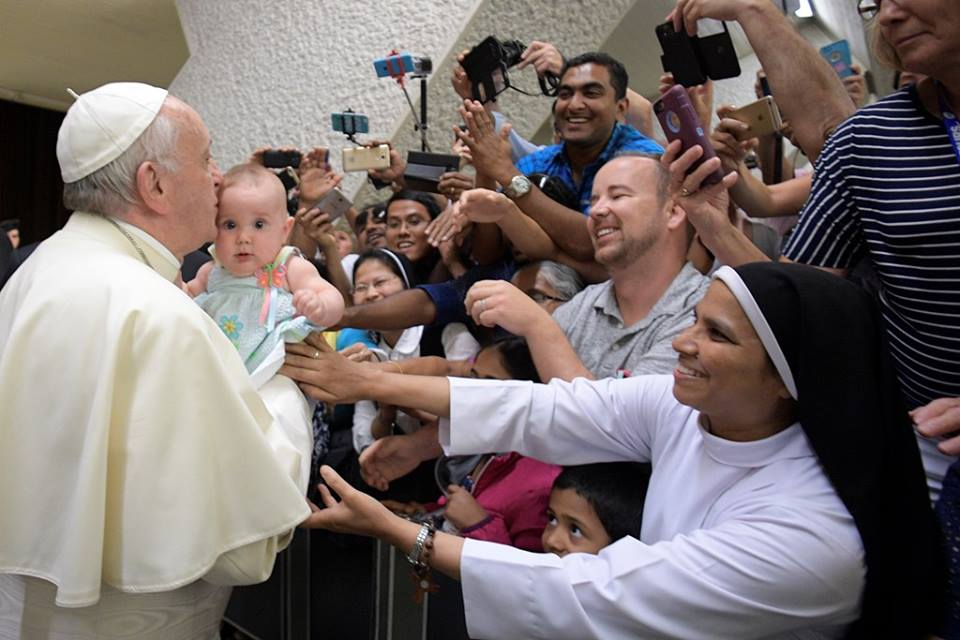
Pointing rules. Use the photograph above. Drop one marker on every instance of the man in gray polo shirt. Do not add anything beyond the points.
(624, 326)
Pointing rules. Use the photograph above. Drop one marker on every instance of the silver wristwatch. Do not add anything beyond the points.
(519, 186)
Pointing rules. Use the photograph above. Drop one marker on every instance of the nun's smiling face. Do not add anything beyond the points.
(724, 372)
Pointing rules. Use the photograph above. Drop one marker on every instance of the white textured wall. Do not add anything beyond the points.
(271, 73)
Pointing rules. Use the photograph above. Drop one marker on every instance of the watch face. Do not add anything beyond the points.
(520, 185)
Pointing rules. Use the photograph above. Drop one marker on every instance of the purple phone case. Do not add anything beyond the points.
(679, 121)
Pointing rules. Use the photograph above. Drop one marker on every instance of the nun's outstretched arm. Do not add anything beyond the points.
(329, 377)
(347, 510)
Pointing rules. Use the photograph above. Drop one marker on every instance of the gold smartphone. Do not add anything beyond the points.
(762, 116)
(363, 158)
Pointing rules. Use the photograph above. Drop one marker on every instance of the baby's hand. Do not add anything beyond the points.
(308, 303)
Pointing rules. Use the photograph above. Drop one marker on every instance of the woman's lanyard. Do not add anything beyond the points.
(950, 122)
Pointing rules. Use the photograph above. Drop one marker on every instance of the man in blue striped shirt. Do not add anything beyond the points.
(592, 98)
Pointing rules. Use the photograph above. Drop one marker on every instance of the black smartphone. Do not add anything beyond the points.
(717, 55)
(693, 59)
(679, 56)
(275, 159)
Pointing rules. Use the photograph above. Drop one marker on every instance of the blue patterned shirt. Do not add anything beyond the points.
(553, 161)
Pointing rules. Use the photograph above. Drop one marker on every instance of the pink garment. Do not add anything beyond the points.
(514, 491)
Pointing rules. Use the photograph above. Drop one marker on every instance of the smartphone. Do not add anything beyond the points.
(395, 65)
(838, 55)
(333, 203)
(363, 158)
(717, 55)
(275, 159)
(350, 123)
(679, 56)
(762, 116)
(679, 121)
(424, 169)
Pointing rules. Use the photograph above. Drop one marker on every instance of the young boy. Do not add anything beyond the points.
(594, 505)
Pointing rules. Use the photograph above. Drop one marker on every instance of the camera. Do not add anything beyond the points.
(487, 63)
(363, 158)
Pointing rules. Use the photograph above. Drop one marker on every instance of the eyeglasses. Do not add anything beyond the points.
(377, 284)
(540, 297)
(868, 9)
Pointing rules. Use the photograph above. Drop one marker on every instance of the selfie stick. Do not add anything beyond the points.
(396, 65)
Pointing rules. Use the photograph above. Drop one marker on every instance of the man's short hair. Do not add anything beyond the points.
(615, 490)
(9, 224)
(113, 187)
(618, 74)
(663, 174)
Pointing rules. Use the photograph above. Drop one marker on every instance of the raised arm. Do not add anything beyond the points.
(484, 206)
(491, 156)
(402, 310)
(808, 91)
(313, 296)
(499, 303)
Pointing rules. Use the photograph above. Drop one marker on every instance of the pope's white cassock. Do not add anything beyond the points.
(140, 472)
(740, 539)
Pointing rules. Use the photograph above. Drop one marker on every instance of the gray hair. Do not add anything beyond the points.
(565, 280)
(113, 187)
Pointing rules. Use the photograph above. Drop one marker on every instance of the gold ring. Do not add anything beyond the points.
(316, 353)
(684, 192)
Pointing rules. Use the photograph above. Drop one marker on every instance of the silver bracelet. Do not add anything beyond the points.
(414, 556)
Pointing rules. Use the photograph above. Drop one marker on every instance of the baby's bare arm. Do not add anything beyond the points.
(199, 284)
(313, 296)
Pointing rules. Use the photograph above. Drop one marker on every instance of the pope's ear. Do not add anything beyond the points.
(152, 186)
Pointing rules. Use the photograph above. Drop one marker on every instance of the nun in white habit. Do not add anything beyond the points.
(787, 498)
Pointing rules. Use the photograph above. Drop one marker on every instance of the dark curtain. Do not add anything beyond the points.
(30, 185)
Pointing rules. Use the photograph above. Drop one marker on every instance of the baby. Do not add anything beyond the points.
(594, 505)
(260, 292)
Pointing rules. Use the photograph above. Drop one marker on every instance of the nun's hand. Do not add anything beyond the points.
(355, 512)
(324, 375)
(705, 205)
(940, 419)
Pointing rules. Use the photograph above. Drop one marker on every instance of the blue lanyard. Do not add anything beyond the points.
(950, 122)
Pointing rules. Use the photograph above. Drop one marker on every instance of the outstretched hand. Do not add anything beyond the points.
(322, 374)
(355, 512)
(499, 303)
(490, 150)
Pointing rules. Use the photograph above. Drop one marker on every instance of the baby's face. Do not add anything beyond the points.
(252, 227)
(572, 525)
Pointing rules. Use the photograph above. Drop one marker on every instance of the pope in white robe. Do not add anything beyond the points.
(140, 472)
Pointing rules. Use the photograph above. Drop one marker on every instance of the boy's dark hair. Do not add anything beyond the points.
(428, 201)
(516, 358)
(615, 490)
(376, 210)
(618, 74)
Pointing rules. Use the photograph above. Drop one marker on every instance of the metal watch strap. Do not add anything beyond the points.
(414, 556)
